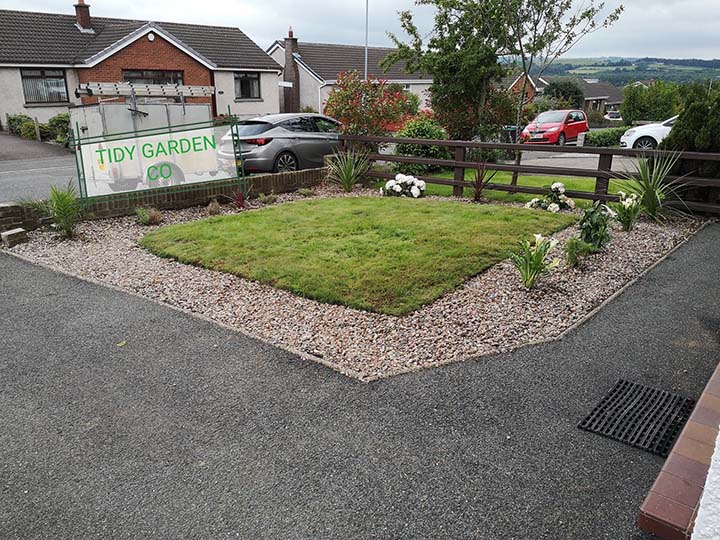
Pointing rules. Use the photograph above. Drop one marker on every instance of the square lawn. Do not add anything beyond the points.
(389, 255)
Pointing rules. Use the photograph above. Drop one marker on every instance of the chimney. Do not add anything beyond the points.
(291, 74)
(82, 15)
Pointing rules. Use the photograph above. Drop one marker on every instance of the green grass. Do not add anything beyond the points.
(544, 182)
(389, 255)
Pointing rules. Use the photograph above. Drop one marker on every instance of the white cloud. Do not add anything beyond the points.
(667, 28)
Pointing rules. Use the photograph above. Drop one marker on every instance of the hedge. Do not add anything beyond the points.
(605, 138)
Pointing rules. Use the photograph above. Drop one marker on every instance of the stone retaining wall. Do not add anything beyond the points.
(200, 194)
(13, 216)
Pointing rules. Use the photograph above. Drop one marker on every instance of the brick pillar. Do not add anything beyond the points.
(291, 96)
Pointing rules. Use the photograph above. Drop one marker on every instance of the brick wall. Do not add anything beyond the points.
(201, 194)
(13, 215)
(146, 54)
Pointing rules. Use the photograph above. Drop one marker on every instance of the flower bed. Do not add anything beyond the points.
(489, 313)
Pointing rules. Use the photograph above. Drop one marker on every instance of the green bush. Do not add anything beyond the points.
(567, 90)
(605, 138)
(15, 121)
(594, 225)
(60, 128)
(148, 216)
(421, 127)
(267, 199)
(27, 131)
(575, 249)
(63, 207)
(659, 101)
(346, 169)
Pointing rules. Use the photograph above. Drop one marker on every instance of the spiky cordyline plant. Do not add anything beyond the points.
(348, 168)
(650, 181)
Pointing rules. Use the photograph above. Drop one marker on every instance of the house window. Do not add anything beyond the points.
(44, 85)
(247, 86)
(152, 76)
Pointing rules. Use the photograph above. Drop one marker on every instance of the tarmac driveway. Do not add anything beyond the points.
(121, 418)
(29, 168)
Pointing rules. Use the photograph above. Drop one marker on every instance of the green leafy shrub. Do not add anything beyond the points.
(306, 192)
(594, 225)
(575, 249)
(568, 91)
(659, 101)
(15, 121)
(605, 138)
(627, 210)
(267, 199)
(421, 127)
(214, 208)
(650, 181)
(27, 131)
(63, 207)
(530, 261)
(59, 126)
(346, 169)
(148, 216)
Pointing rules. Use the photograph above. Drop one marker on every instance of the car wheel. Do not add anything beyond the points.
(562, 140)
(645, 143)
(285, 162)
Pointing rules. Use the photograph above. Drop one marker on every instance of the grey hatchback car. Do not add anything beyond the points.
(283, 142)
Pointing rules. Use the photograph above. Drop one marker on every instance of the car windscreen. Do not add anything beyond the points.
(550, 117)
(250, 128)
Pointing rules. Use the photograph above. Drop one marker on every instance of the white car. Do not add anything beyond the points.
(647, 137)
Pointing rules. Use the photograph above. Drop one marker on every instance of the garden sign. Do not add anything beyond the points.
(158, 158)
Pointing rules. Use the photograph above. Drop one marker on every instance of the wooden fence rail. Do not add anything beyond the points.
(602, 174)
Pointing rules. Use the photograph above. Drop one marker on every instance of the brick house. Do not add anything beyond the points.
(44, 57)
(313, 68)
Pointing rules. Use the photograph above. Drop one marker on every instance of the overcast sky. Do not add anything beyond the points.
(663, 28)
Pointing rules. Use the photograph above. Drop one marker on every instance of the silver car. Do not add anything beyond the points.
(283, 142)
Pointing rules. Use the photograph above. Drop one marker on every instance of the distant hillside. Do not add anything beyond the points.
(621, 71)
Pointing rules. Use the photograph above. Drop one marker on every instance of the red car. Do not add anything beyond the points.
(555, 127)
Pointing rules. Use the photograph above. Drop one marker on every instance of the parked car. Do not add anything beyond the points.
(613, 116)
(647, 137)
(555, 127)
(283, 142)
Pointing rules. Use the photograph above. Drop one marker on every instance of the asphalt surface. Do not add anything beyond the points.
(29, 168)
(121, 418)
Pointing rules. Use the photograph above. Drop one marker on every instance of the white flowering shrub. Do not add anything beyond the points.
(531, 260)
(627, 211)
(404, 186)
(554, 201)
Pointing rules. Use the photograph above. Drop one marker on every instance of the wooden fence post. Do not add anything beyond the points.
(459, 175)
(601, 183)
(7, 122)
(37, 129)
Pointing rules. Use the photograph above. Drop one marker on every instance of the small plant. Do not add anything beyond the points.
(404, 186)
(575, 249)
(530, 261)
(479, 182)
(306, 192)
(15, 122)
(214, 208)
(239, 198)
(63, 208)
(348, 168)
(554, 201)
(148, 216)
(649, 181)
(594, 225)
(627, 210)
(59, 126)
(267, 199)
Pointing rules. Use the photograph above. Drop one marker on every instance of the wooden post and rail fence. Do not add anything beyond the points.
(602, 174)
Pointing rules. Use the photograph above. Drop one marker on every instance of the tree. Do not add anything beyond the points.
(658, 101)
(462, 56)
(365, 107)
(567, 90)
(540, 31)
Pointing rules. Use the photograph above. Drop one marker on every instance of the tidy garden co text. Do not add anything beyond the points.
(155, 150)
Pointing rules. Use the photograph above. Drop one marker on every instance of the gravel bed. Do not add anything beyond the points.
(490, 313)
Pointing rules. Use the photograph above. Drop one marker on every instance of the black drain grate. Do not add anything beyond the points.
(641, 416)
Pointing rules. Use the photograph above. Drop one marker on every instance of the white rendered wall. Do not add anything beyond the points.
(707, 523)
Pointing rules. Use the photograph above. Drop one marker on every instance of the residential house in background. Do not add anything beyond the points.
(311, 71)
(44, 57)
(514, 83)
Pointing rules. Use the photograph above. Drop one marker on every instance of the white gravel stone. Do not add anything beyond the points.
(490, 313)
